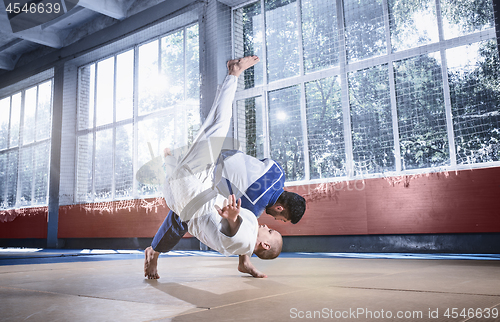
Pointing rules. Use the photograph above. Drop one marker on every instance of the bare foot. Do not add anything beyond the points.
(237, 66)
(151, 263)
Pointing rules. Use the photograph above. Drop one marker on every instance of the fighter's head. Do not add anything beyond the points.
(268, 244)
(289, 207)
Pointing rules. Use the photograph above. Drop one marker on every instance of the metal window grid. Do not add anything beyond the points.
(344, 68)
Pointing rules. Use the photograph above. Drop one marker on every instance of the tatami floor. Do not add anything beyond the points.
(86, 285)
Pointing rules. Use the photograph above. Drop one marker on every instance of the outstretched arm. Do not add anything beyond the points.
(230, 212)
(245, 266)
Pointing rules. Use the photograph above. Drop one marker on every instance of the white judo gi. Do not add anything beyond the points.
(190, 174)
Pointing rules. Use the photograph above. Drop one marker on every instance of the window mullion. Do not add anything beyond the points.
(135, 184)
(9, 126)
(300, 40)
(344, 90)
(94, 134)
(113, 135)
(303, 112)
(7, 151)
(184, 129)
(446, 87)
(264, 42)
(20, 150)
(305, 145)
(265, 116)
(265, 120)
(392, 89)
(33, 158)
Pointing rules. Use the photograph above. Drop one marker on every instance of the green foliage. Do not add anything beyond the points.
(418, 82)
(320, 34)
(364, 29)
(422, 120)
(251, 127)
(470, 15)
(285, 127)
(371, 118)
(475, 99)
(325, 128)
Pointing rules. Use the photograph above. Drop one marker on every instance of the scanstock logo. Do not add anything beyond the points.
(26, 14)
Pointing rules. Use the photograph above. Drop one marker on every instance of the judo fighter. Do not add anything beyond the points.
(199, 180)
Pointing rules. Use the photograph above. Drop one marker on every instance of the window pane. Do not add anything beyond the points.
(29, 115)
(104, 91)
(86, 94)
(172, 68)
(44, 111)
(193, 66)
(3, 179)
(84, 171)
(371, 117)
(364, 29)
(475, 101)
(281, 35)
(150, 84)
(251, 126)
(15, 119)
(412, 23)
(12, 158)
(4, 122)
(103, 164)
(422, 121)
(320, 34)
(42, 162)
(462, 17)
(125, 86)
(25, 176)
(248, 31)
(124, 174)
(158, 133)
(285, 128)
(325, 129)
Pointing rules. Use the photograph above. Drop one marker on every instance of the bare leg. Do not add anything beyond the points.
(245, 266)
(237, 66)
(151, 263)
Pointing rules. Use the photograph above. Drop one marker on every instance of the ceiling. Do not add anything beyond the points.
(81, 19)
(25, 37)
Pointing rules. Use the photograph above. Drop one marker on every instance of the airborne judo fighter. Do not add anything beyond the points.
(198, 181)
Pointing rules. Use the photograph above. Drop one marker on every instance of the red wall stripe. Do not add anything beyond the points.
(466, 201)
(24, 223)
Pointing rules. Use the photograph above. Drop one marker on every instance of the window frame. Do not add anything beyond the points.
(342, 70)
(134, 121)
(33, 82)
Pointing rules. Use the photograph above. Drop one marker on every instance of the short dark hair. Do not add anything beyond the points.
(294, 204)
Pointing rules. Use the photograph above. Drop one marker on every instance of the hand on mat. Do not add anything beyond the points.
(245, 266)
(231, 209)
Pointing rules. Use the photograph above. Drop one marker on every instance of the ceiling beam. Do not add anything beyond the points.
(39, 36)
(66, 17)
(113, 8)
(8, 54)
(8, 61)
